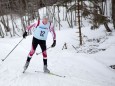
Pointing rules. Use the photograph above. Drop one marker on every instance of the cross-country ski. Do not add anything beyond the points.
(51, 74)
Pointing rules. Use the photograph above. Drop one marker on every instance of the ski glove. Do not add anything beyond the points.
(24, 34)
(54, 44)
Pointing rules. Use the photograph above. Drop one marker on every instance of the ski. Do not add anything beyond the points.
(26, 66)
(24, 71)
(51, 74)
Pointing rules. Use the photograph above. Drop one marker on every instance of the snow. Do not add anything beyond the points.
(80, 69)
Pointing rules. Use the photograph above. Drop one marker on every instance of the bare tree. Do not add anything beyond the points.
(1, 32)
(113, 12)
(79, 25)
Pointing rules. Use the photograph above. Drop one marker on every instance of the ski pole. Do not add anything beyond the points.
(41, 52)
(11, 51)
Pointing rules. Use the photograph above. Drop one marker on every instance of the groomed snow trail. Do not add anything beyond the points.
(80, 69)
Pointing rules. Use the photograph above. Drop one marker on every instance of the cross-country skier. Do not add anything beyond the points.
(42, 27)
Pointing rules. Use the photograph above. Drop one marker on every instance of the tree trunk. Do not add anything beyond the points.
(59, 17)
(71, 20)
(105, 24)
(1, 32)
(107, 27)
(113, 12)
(79, 25)
(75, 21)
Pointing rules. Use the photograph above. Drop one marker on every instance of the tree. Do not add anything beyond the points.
(98, 14)
(113, 12)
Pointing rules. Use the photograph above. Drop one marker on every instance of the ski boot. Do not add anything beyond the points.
(46, 70)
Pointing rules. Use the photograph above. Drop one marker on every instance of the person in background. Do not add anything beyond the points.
(42, 27)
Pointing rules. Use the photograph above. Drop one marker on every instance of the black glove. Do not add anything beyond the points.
(24, 34)
(54, 44)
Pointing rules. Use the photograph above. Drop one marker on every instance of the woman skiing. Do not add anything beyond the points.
(42, 27)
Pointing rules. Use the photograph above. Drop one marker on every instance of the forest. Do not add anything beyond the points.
(96, 11)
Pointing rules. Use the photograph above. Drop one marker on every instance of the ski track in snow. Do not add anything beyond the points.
(80, 69)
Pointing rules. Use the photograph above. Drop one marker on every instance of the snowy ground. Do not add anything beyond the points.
(80, 69)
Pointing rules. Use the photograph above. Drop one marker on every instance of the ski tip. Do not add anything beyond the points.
(57, 75)
(64, 76)
(23, 71)
(2, 59)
